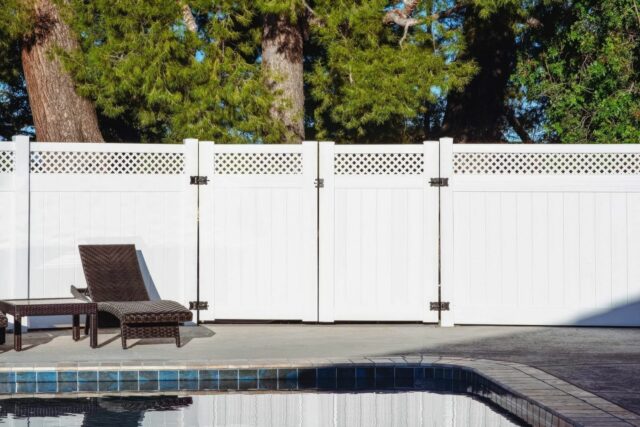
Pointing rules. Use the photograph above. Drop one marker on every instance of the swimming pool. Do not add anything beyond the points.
(280, 409)
(109, 380)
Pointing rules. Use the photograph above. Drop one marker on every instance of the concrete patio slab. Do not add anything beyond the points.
(602, 361)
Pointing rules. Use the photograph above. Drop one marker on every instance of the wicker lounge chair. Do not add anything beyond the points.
(115, 282)
(3, 328)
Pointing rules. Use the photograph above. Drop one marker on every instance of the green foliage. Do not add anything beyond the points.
(292, 8)
(141, 66)
(576, 78)
(367, 86)
(583, 72)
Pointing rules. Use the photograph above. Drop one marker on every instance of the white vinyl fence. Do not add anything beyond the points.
(68, 194)
(542, 234)
(522, 234)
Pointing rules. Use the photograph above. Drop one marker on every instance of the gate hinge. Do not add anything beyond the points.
(198, 305)
(439, 182)
(439, 306)
(199, 180)
(319, 182)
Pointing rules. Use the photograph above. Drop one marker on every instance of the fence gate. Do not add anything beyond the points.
(258, 231)
(378, 232)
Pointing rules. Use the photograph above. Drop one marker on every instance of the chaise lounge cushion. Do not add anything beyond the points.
(146, 311)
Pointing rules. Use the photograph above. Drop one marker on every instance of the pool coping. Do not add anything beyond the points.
(528, 393)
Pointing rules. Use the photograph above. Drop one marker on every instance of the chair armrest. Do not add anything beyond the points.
(80, 293)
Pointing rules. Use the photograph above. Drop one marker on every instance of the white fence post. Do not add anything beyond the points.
(206, 224)
(191, 167)
(310, 171)
(326, 233)
(21, 232)
(430, 231)
(446, 233)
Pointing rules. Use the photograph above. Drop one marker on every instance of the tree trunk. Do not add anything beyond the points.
(477, 114)
(59, 113)
(282, 43)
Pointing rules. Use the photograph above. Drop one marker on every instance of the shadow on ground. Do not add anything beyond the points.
(604, 361)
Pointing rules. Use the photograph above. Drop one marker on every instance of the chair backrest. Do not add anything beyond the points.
(113, 273)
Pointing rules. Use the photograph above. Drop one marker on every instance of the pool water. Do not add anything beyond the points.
(282, 409)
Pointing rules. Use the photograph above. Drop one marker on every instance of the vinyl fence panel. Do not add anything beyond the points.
(112, 193)
(258, 231)
(14, 217)
(544, 234)
(378, 232)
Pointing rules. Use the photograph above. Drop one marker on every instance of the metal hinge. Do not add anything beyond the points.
(198, 305)
(439, 182)
(199, 180)
(439, 306)
(319, 182)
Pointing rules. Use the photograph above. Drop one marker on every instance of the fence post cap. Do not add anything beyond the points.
(20, 138)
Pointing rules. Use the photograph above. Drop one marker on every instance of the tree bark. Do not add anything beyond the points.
(282, 58)
(477, 113)
(59, 113)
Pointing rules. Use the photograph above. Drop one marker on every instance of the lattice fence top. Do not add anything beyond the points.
(116, 163)
(7, 161)
(379, 163)
(258, 163)
(546, 163)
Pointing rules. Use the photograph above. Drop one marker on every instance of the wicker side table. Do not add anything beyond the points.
(51, 307)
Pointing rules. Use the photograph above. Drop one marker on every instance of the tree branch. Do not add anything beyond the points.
(517, 126)
(534, 22)
(312, 16)
(403, 17)
(635, 7)
(447, 13)
(311, 11)
(187, 17)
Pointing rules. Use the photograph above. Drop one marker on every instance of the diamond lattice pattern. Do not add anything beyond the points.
(379, 163)
(119, 163)
(7, 162)
(546, 163)
(258, 163)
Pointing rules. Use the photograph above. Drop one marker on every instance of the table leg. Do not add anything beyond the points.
(93, 330)
(17, 333)
(76, 327)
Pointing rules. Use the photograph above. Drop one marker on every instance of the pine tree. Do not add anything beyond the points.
(146, 68)
(382, 73)
(272, 71)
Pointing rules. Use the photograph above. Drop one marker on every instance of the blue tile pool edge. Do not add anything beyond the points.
(340, 377)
